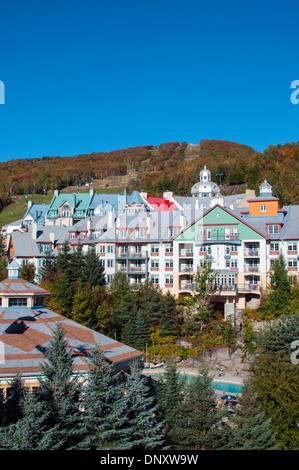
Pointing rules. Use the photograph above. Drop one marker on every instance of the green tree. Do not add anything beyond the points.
(204, 280)
(200, 420)
(48, 270)
(93, 272)
(3, 259)
(28, 272)
(102, 393)
(30, 432)
(251, 429)
(61, 391)
(276, 383)
(170, 396)
(137, 426)
(15, 394)
(278, 301)
(63, 259)
(77, 266)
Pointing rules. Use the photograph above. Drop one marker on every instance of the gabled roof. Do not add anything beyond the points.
(231, 212)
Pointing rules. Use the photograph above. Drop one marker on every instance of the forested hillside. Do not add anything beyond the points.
(170, 166)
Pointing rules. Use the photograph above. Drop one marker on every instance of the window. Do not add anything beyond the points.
(72, 235)
(109, 278)
(102, 263)
(168, 249)
(173, 231)
(292, 263)
(169, 264)
(83, 235)
(154, 264)
(109, 263)
(155, 249)
(102, 249)
(274, 246)
(122, 233)
(66, 211)
(169, 280)
(155, 280)
(273, 228)
(110, 249)
(292, 246)
(19, 302)
(139, 232)
(263, 208)
(80, 212)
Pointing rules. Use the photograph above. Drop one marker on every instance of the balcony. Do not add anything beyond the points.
(248, 287)
(219, 238)
(252, 269)
(131, 254)
(249, 253)
(186, 253)
(189, 286)
(186, 269)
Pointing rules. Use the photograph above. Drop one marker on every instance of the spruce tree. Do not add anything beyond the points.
(102, 393)
(251, 429)
(136, 426)
(15, 394)
(170, 395)
(200, 421)
(30, 432)
(3, 259)
(93, 272)
(77, 266)
(60, 390)
(63, 259)
(48, 270)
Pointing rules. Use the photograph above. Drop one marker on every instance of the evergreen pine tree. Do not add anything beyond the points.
(101, 394)
(15, 394)
(30, 432)
(252, 429)
(170, 394)
(60, 390)
(48, 269)
(93, 272)
(3, 259)
(77, 265)
(137, 426)
(142, 331)
(200, 425)
(63, 259)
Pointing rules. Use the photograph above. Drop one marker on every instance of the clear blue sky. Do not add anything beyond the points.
(89, 76)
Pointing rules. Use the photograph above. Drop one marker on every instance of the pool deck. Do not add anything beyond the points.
(227, 377)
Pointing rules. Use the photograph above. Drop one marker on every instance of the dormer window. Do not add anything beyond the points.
(66, 211)
(172, 231)
(273, 228)
(263, 208)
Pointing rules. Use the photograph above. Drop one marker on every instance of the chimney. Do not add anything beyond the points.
(52, 238)
(34, 230)
(149, 224)
(56, 193)
(110, 219)
(182, 222)
(29, 204)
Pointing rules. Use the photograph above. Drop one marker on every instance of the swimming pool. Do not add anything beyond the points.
(227, 387)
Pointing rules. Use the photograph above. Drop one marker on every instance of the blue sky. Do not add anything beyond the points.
(91, 76)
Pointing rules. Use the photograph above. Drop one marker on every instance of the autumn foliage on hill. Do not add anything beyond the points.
(172, 166)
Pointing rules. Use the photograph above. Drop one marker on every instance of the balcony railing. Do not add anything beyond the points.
(186, 269)
(254, 252)
(131, 254)
(252, 269)
(186, 254)
(219, 237)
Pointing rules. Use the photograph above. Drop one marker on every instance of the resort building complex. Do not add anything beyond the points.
(166, 240)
